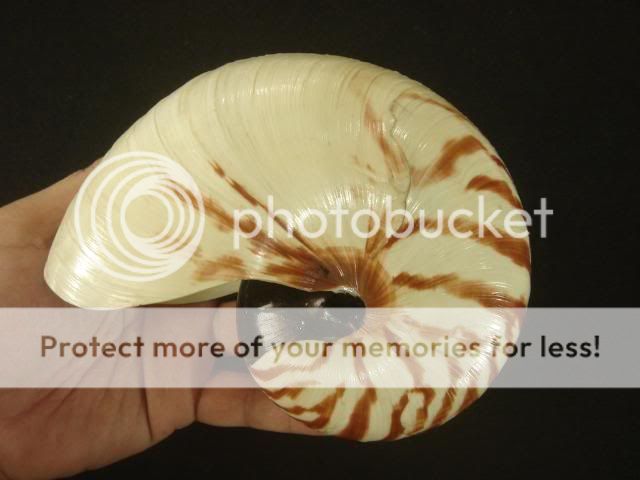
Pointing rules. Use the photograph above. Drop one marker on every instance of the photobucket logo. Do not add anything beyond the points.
(128, 249)
(393, 223)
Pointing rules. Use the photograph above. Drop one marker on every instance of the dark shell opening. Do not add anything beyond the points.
(314, 317)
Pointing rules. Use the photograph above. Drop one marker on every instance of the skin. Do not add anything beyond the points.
(53, 433)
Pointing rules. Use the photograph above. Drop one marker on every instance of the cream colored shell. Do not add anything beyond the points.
(315, 132)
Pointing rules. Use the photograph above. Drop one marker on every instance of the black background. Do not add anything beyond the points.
(553, 86)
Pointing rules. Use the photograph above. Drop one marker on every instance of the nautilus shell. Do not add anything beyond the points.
(312, 133)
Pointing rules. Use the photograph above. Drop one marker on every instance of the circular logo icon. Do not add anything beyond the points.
(145, 217)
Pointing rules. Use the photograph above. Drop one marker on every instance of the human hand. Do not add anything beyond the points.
(48, 433)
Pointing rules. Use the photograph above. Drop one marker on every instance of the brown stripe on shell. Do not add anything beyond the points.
(360, 418)
(397, 429)
(324, 409)
(241, 190)
(471, 395)
(419, 282)
(484, 293)
(445, 408)
(227, 266)
(429, 224)
(222, 219)
(417, 371)
(422, 415)
(291, 393)
(378, 240)
(499, 187)
(444, 166)
(517, 249)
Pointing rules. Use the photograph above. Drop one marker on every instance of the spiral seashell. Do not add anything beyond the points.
(314, 133)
